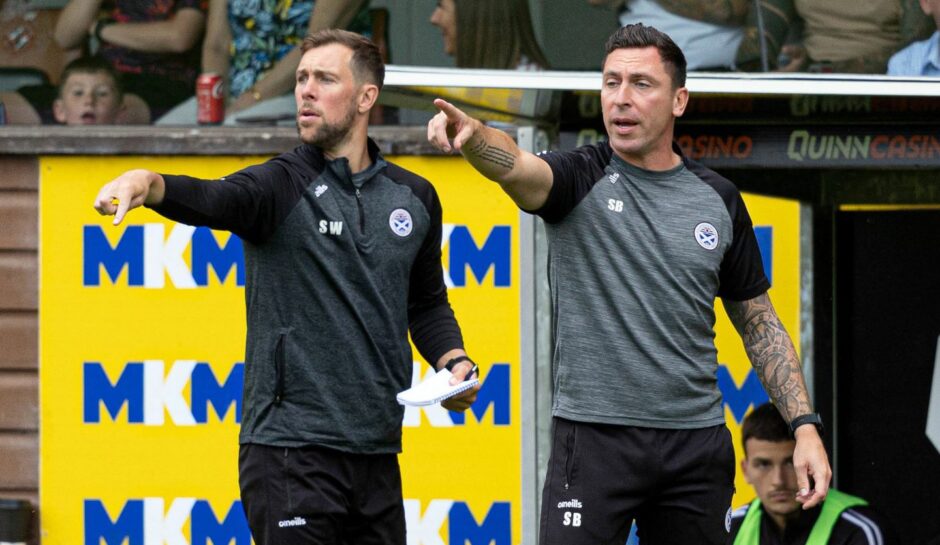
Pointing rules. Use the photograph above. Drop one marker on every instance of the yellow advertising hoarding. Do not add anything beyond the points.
(142, 343)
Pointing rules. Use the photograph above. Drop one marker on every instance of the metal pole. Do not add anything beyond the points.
(764, 62)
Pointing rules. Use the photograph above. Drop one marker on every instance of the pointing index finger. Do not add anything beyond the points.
(451, 111)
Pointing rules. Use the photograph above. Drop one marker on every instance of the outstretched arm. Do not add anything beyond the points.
(132, 189)
(773, 356)
(523, 176)
(71, 28)
(178, 34)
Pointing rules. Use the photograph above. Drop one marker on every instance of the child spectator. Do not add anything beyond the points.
(153, 44)
(489, 34)
(90, 93)
(920, 58)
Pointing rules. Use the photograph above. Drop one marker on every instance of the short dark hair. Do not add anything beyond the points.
(90, 65)
(640, 36)
(765, 423)
(366, 64)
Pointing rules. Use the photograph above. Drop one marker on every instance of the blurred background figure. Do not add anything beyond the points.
(920, 58)
(254, 46)
(489, 34)
(775, 517)
(153, 44)
(707, 31)
(838, 35)
(90, 93)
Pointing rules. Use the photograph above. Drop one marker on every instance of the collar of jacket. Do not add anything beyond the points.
(340, 166)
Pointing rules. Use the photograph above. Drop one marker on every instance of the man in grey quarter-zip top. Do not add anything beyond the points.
(641, 241)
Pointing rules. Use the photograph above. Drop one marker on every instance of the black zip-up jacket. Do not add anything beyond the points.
(339, 267)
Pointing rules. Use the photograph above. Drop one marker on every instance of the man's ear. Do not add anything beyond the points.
(368, 95)
(58, 110)
(680, 102)
(744, 470)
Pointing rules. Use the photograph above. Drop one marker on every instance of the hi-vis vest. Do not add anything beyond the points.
(836, 502)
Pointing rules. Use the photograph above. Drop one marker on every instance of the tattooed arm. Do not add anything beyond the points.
(523, 176)
(773, 356)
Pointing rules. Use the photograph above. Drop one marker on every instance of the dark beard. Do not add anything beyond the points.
(330, 134)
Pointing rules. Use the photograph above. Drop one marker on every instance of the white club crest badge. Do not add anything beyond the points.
(706, 235)
(400, 222)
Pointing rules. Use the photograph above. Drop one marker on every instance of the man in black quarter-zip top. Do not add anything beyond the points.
(343, 260)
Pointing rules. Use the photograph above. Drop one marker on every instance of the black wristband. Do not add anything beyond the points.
(99, 26)
(812, 418)
(454, 361)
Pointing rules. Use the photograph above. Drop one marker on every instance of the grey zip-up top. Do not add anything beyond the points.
(339, 268)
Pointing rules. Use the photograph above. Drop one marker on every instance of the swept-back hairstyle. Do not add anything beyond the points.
(495, 34)
(766, 424)
(366, 63)
(640, 36)
(90, 65)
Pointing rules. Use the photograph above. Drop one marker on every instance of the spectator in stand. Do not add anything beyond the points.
(707, 31)
(920, 58)
(153, 45)
(775, 516)
(255, 47)
(489, 34)
(90, 93)
(838, 35)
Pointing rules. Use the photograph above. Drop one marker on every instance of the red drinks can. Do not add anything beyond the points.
(210, 100)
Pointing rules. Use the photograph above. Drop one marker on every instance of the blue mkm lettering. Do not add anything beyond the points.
(222, 259)
(765, 241)
(207, 529)
(128, 526)
(494, 254)
(98, 252)
(128, 389)
(207, 390)
(494, 392)
(496, 528)
(739, 400)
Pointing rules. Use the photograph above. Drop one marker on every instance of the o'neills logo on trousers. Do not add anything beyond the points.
(570, 504)
(296, 521)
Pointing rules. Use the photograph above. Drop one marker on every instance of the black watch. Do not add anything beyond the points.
(812, 418)
(99, 26)
(454, 361)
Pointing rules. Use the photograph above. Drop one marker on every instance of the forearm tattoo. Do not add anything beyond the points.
(772, 354)
(493, 154)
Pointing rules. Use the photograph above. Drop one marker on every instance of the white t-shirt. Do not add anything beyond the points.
(705, 45)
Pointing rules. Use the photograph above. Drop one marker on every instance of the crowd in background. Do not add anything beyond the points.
(138, 60)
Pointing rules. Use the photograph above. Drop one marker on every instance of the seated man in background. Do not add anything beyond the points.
(920, 58)
(844, 36)
(90, 93)
(708, 32)
(775, 517)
